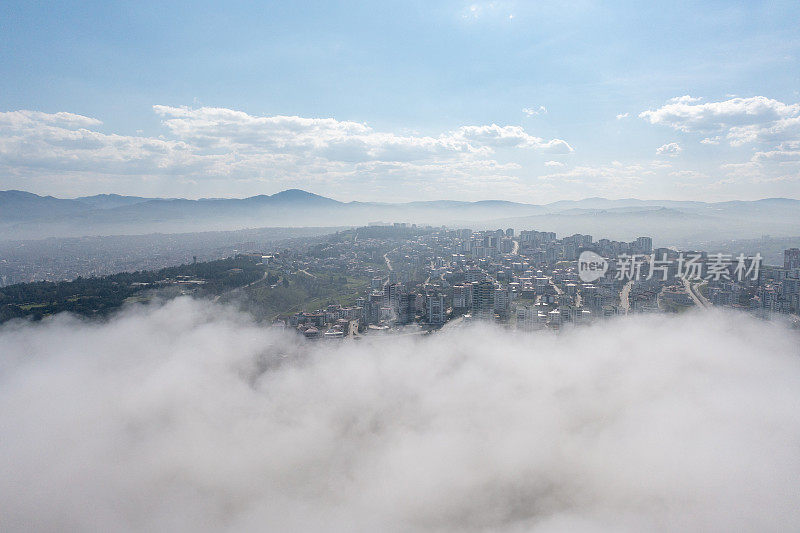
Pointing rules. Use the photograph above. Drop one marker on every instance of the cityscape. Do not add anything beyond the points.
(406, 279)
(433, 278)
(452, 266)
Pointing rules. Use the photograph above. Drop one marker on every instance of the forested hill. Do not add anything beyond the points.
(98, 296)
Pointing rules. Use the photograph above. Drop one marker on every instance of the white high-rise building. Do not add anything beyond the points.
(462, 296)
(502, 300)
(436, 308)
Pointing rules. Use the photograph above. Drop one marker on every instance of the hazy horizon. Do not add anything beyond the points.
(345, 200)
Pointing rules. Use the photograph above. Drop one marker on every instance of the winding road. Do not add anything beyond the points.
(698, 299)
(386, 258)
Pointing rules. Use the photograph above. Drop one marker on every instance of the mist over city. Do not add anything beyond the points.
(400, 266)
(187, 415)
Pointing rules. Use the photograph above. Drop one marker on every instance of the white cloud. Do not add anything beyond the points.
(777, 156)
(218, 143)
(736, 112)
(223, 152)
(288, 134)
(777, 131)
(211, 422)
(790, 145)
(685, 99)
(740, 121)
(24, 118)
(623, 115)
(508, 137)
(553, 164)
(672, 149)
(530, 111)
(64, 142)
(769, 166)
(743, 119)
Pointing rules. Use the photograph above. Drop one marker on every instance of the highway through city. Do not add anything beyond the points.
(698, 299)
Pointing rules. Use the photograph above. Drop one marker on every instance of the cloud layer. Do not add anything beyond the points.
(190, 417)
(223, 144)
(772, 126)
(744, 120)
(210, 151)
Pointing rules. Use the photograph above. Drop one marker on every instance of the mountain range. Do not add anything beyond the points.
(25, 215)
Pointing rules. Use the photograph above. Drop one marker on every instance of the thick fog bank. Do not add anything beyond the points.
(188, 417)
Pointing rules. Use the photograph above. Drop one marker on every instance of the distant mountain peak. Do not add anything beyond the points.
(110, 201)
(13, 193)
(299, 195)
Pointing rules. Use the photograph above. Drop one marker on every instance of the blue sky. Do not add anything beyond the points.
(527, 101)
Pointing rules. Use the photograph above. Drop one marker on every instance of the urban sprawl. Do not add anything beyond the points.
(427, 279)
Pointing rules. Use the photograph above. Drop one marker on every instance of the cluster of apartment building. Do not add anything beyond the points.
(776, 290)
(531, 281)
